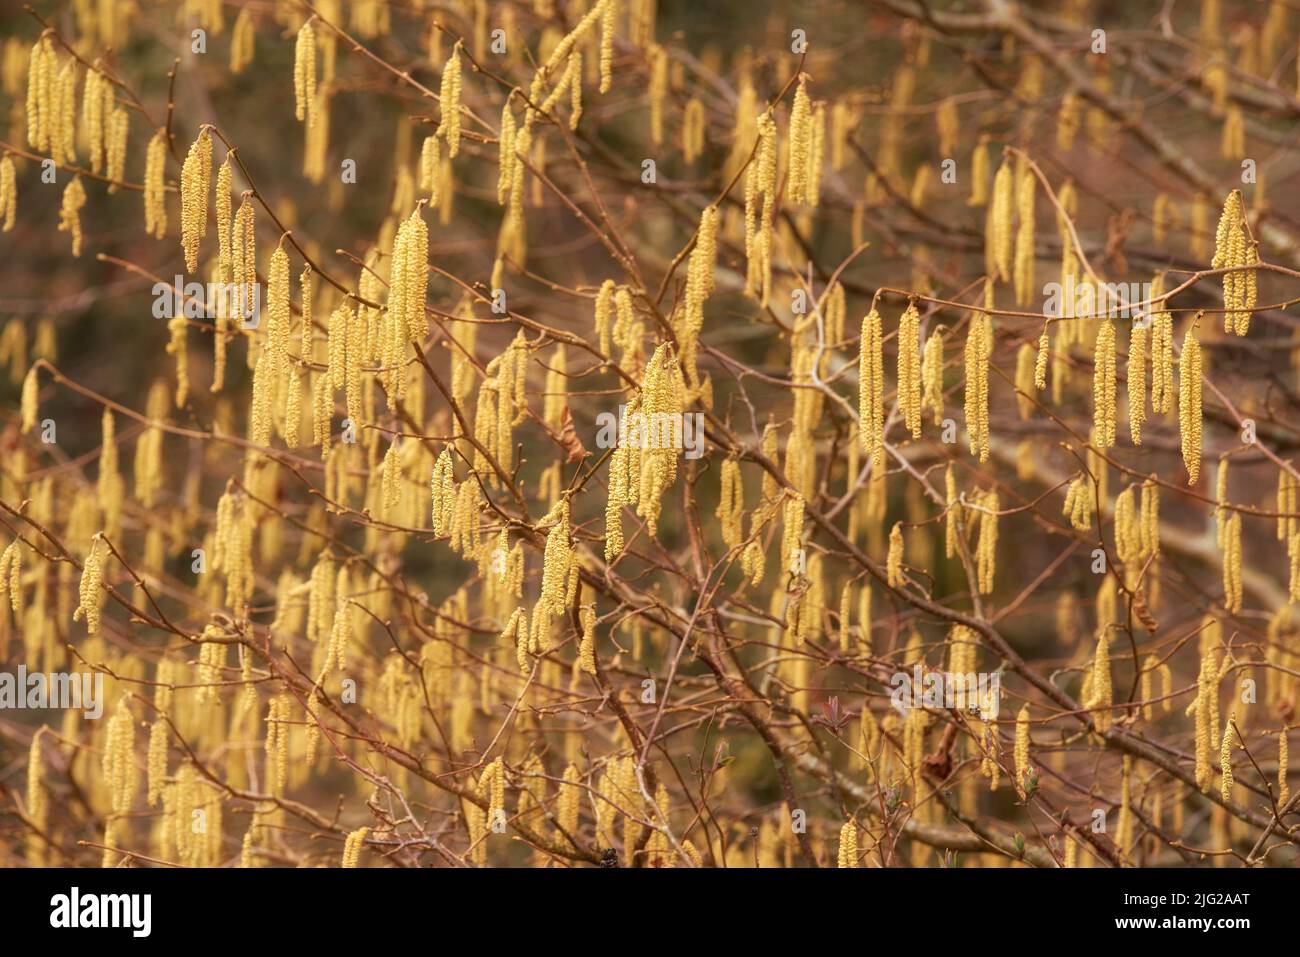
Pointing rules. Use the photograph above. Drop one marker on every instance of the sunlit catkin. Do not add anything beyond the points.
(1225, 759)
(894, 560)
(1103, 387)
(848, 850)
(987, 544)
(998, 236)
(909, 368)
(1099, 699)
(118, 762)
(1021, 752)
(90, 590)
(979, 350)
(449, 102)
(74, 198)
(352, 846)
(8, 192)
(155, 206)
(304, 73)
(196, 176)
(871, 388)
(1189, 404)
(1024, 250)
(1232, 587)
(932, 376)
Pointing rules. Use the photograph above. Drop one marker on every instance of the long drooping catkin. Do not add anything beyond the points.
(1103, 387)
(979, 350)
(1232, 588)
(304, 73)
(894, 560)
(1225, 759)
(155, 209)
(760, 199)
(987, 544)
(871, 388)
(932, 376)
(1024, 252)
(449, 102)
(196, 177)
(909, 368)
(74, 198)
(1233, 248)
(1137, 380)
(998, 237)
(1189, 403)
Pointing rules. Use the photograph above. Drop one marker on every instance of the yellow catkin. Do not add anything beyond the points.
(998, 237)
(30, 397)
(1079, 503)
(760, 200)
(118, 762)
(449, 102)
(1137, 380)
(986, 547)
(731, 503)
(909, 368)
(1103, 387)
(1099, 698)
(1162, 351)
(587, 644)
(1283, 786)
(932, 376)
(74, 198)
(196, 175)
(1025, 380)
(90, 591)
(410, 278)
(242, 42)
(1022, 751)
(1024, 249)
(1233, 248)
(1189, 404)
(979, 350)
(1288, 501)
(155, 206)
(352, 846)
(1225, 759)
(871, 389)
(894, 560)
(156, 763)
(979, 167)
(848, 851)
(304, 73)
(1232, 588)
(1040, 362)
(8, 192)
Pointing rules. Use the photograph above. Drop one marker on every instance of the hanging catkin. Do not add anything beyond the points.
(871, 389)
(998, 237)
(979, 350)
(1103, 387)
(1232, 590)
(449, 102)
(304, 73)
(1024, 252)
(909, 368)
(196, 176)
(1189, 403)
(986, 547)
(932, 376)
